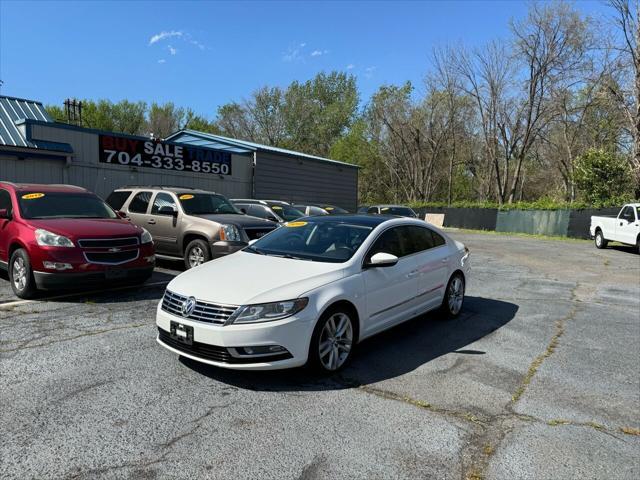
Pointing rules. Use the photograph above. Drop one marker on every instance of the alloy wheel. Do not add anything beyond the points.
(19, 273)
(336, 340)
(196, 256)
(456, 295)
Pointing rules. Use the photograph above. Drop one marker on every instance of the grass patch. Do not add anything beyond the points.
(518, 234)
(630, 431)
(558, 421)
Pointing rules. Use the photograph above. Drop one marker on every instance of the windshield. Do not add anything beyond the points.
(286, 211)
(206, 204)
(38, 205)
(400, 211)
(308, 240)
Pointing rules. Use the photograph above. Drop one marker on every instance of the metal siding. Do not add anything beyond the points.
(304, 180)
(87, 172)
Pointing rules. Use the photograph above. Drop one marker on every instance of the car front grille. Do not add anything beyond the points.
(203, 311)
(108, 242)
(255, 233)
(112, 258)
(213, 352)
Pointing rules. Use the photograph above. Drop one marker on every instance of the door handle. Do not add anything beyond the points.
(445, 260)
(413, 274)
(151, 221)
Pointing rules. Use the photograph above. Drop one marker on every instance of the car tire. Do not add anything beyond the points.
(599, 240)
(453, 300)
(21, 277)
(333, 341)
(196, 253)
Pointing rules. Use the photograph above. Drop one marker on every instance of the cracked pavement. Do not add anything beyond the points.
(538, 379)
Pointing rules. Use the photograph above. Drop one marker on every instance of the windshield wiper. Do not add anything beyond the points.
(254, 250)
(288, 255)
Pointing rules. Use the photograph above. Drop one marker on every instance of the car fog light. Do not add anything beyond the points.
(57, 265)
(258, 351)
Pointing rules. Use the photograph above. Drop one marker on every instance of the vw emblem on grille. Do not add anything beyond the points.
(114, 249)
(188, 305)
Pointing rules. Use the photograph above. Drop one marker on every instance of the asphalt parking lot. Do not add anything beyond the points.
(538, 379)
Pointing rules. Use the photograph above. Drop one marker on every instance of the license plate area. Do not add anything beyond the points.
(181, 333)
(115, 273)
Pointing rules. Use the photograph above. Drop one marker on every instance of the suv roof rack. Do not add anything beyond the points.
(164, 187)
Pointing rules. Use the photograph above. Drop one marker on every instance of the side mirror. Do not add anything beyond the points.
(271, 218)
(4, 213)
(243, 210)
(251, 242)
(382, 259)
(121, 214)
(167, 210)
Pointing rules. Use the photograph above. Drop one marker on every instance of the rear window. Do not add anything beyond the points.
(39, 205)
(116, 199)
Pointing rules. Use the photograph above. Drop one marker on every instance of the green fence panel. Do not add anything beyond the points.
(540, 222)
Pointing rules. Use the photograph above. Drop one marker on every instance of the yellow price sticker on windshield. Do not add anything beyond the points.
(295, 224)
(328, 209)
(186, 196)
(32, 196)
(277, 207)
(385, 209)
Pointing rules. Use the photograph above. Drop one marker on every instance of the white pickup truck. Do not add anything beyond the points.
(625, 228)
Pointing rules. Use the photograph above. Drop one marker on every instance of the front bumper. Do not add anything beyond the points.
(226, 247)
(59, 281)
(293, 333)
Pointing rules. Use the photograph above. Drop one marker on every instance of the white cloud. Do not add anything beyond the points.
(172, 50)
(164, 35)
(197, 44)
(294, 53)
(317, 53)
(368, 72)
(162, 60)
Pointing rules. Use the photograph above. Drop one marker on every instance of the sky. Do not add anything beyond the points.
(204, 54)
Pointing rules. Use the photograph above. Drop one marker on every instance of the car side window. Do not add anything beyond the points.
(438, 240)
(5, 201)
(163, 200)
(372, 210)
(390, 241)
(140, 202)
(628, 214)
(116, 199)
(257, 211)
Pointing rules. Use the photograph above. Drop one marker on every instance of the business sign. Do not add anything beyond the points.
(162, 155)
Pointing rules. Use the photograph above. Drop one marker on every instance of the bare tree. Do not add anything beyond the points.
(627, 21)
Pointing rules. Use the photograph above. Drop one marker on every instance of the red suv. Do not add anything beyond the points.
(58, 236)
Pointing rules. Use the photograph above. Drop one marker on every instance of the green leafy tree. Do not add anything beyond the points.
(197, 122)
(165, 119)
(56, 112)
(603, 177)
(357, 148)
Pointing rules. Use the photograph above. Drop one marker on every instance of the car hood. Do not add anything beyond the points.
(88, 227)
(246, 278)
(241, 221)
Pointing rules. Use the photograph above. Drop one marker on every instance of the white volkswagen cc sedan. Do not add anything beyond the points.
(310, 291)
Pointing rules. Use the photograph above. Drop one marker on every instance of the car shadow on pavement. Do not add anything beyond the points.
(390, 354)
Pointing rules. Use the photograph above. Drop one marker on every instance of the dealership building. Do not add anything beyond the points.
(36, 149)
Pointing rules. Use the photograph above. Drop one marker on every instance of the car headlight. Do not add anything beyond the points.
(146, 236)
(230, 232)
(45, 238)
(267, 312)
